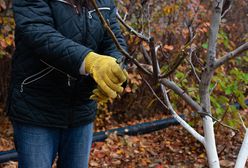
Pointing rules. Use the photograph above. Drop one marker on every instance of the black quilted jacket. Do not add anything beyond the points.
(52, 39)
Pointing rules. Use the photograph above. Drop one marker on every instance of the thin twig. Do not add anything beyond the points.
(130, 29)
(242, 121)
(195, 14)
(191, 36)
(154, 93)
(225, 125)
(124, 52)
(224, 114)
(149, 18)
(217, 120)
(212, 89)
(226, 8)
(180, 58)
(193, 68)
(145, 54)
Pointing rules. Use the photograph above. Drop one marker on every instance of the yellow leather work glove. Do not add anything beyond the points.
(106, 72)
(99, 96)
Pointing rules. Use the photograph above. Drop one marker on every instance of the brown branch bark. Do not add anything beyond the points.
(124, 52)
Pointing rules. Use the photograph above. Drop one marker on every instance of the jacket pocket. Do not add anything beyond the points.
(35, 77)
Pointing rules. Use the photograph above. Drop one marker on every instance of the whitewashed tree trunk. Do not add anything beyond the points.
(209, 142)
(243, 153)
(206, 77)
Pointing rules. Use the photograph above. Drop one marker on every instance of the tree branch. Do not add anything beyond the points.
(180, 58)
(124, 52)
(154, 60)
(182, 94)
(231, 55)
(145, 54)
(242, 121)
(172, 111)
(130, 29)
(192, 49)
(226, 7)
(179, 119)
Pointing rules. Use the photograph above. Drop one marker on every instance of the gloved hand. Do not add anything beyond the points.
(107, 74)
(99, 96)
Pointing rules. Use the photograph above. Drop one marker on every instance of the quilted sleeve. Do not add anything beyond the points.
(108, 44)
(35, 28)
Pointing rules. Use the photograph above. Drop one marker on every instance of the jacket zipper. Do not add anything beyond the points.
(49, 69)
(74, 6)
(89, 12)
(101, 8)
(29, 79)
(68, 76)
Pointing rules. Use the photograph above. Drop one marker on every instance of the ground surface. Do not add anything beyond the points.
(171, 147)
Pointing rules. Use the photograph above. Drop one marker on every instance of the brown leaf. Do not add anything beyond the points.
(226, 163)
(94, 163)
(168, 47)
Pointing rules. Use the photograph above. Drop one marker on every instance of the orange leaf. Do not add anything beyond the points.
(168, 47)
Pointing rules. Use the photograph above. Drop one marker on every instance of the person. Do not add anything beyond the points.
(64, 60)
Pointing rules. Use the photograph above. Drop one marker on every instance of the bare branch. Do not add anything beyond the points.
(168, 105)
(190, 101)
(242, 121)
(231, 55)
(171, 85)
(191, 64)
(145, 54)
(124, 52)
(226, 7)
(212, 89)
(191, 36)
(131, 30)
(154, 93)
(180, 58)
(175, 115)
(180, 120)
(154, 59)
(194, 70)
(224, 125)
